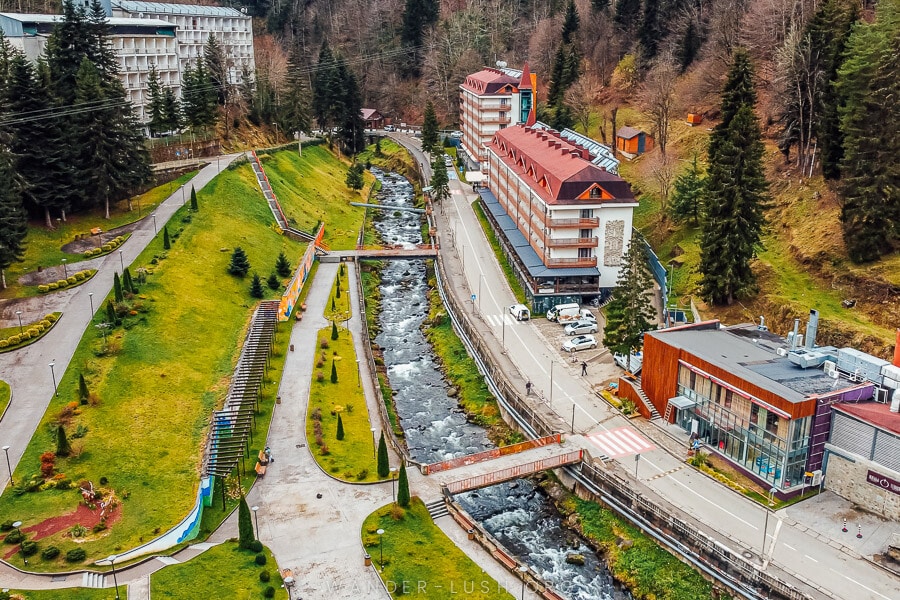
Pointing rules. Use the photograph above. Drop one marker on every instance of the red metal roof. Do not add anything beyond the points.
(559, 171)
(876, 413)
(525, 81)
(490, 81)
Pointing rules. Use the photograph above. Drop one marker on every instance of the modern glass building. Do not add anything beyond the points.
(743, 395)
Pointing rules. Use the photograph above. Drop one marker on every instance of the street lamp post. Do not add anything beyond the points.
(373, 442)
(358, 376)
(91, 298)
(122, 260)
(276, 131)
(523, 569)
(765, 534)
(393, 484)
(255, 510)
(183, 200)
(552, 362)
(53, 375)
(380, 533)
(573, 416)
(65, 269)
(8, 466)
(112, 562)
(480, 278)
(16, 525)
(154, 223)
(19, 314)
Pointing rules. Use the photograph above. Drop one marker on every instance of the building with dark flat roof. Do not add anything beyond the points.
(753, 397)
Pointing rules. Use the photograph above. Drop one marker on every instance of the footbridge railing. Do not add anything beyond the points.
(471, 459)
(514, 472)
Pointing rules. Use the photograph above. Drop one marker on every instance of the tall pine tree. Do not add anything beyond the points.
(869, 87)
(630, 313)
(687, 195)
(430, 141)
(13, 222)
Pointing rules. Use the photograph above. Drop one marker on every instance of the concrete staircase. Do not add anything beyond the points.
(654, 414)
(437, 509)
(90, 579)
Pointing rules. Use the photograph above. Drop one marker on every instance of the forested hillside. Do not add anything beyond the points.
(824, 76)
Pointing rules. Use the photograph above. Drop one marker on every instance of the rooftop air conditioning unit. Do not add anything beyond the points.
(831, 369)
(781, 351)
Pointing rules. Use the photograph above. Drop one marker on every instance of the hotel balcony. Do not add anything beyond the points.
(494, 119)
(588, 242)
(589, 261)
(588, 223)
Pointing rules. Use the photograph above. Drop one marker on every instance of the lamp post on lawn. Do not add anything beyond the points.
(154, 223)
(16, 525)
(91, 298)
(393, 484)
(373, 442)
(112, 562)
(255, 510)
(53, 375)
(8, 466)
(183, 201)
(122, 260)
(380, 533)
(19, 314)
(65, 269)
(358, 376)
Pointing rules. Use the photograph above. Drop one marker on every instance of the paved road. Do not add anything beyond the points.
(799, 550)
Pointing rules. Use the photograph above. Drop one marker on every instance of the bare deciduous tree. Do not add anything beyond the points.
(659, 97)
(662, 171)
(583, 98)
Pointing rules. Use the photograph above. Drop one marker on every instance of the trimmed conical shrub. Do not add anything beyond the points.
(384, 466)
(62, 442)
(256, 288)
(245, 525)
(282, 265)
(273, 282)
(194, 205)
(340, 428)
(167, 243)
(83, 393)
(117, 288)
(334, 377)
(334, 331)
(403, 487)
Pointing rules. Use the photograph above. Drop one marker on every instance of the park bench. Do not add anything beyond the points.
(260, 469)
(263, 459)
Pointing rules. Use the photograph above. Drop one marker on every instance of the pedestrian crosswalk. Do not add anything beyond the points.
(620, 442)
(498, 320)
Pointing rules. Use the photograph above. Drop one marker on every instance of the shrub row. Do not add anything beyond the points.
(107, 247)
(64, 283)
(34, 331)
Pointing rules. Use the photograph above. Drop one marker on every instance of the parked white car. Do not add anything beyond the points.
(582, 342)
(581, 327)
(456, 135)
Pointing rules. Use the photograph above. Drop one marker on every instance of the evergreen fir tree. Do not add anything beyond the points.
(334, 330)
(13, 221)
(440, 181)
(297, 113)
(282, 265)
(340, 428)
(687, 195)
(627, 14)
(171, 111)
(430, 141)
(571, 22)
(354, 178)
(326, 88)
(256, 288)
(352, 128)
(117, 288)
(689, 46)
(216, 66)
(156, 107)
(111, 312)
(384, 465)
(869, 87)
(167, 243)
(127, 282)
(199, 97)
(194, 205)
(273, 282)
(240, 264)
(649, 32)
(739, 91)
(83, 393)
(599, 5)
(417, 16)
(630, 313)
(246, 536)
(62, 442)
(403, 487)
(334, 375)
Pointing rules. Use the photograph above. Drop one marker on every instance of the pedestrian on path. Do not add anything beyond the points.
(527, 388)
(583, 368)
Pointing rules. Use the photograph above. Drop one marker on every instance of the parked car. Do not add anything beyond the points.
(388, 127)
(457, 135)
(582, 342)
(580, 327)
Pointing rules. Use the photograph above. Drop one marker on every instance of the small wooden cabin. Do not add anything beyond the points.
(633, 141)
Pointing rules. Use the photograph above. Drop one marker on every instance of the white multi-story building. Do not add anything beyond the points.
(491, 100)
(168, 37)
(565, 222)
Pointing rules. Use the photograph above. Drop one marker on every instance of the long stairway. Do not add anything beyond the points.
(90, 579)
(654, 414)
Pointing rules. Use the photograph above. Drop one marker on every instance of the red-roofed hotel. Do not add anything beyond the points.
(565, 221)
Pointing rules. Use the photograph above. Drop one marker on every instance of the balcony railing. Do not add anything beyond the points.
(588, 242)
(494, 119)
(580, 223)
(590, 261)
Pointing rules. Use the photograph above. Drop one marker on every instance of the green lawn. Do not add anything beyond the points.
(164, 372)
(5, 395)
(11, 337)
(223, 571)
(342, 310)
(353, 458)
(417, 552)
(67, 594)
(44, 248)
(311, 189)
(514, 284)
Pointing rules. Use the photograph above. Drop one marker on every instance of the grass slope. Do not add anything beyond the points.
(311, 189)
(43, 248)
(155, 393)
(419, 558)
(222, 571)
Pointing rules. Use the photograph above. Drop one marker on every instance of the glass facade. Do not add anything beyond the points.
(762, 441)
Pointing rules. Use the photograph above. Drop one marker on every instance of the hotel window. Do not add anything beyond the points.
(584, 253)
(587, 213)
(595, 192)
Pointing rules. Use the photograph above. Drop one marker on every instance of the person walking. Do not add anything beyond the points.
(583, 368)
(527, 388)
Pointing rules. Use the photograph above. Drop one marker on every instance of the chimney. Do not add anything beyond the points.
(792, 338)
(812, 327)
(897, 350)
(586, 154)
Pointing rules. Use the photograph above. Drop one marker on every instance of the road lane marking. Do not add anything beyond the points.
(810, 558)
(789, 547)
(861, 585)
